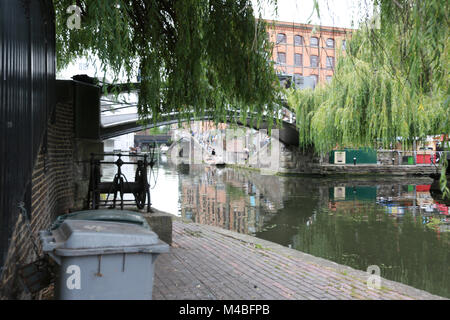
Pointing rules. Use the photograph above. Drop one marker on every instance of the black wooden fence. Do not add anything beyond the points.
(27, 97)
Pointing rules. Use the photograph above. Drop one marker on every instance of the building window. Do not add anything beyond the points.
(330, 62)
(314, 61)
(281, 57)
(315, 77)
(298, 40)
(344, 44)
(281, 38)
(330, 43)
(314, 42)
(298, 60)
(329, 79)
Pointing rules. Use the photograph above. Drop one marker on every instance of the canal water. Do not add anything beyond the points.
(393, 223)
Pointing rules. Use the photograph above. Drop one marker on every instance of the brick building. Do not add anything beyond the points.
(304, 51)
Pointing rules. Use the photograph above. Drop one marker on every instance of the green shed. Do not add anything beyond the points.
(363, 156)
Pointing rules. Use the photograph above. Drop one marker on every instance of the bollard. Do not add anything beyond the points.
(393, 160)
(354, 161)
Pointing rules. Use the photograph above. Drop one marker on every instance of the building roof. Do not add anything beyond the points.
(308, 27)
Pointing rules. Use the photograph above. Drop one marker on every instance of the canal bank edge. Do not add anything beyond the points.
(345, 272)
(350, 171)
(327, 264)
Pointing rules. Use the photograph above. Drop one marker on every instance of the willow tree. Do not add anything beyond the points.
(194, 56)
(392, 81)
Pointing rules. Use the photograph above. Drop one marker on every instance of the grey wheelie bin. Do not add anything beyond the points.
(112, 215)
(103, 260)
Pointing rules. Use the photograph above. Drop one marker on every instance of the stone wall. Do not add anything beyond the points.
(385, 157)
(287, 159)
(295, 160)
(81, 168)
(51, 195)
(374, 169)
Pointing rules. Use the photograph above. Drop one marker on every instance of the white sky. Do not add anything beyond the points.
(333, 13)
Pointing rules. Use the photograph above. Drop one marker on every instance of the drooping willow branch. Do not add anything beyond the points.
(193, 55)
(391, 84)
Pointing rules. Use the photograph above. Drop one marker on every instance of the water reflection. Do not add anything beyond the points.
(224, 198)
(394, 224)
(407, 252)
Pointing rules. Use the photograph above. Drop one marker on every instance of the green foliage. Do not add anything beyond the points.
(195, 56)
(392, 82)
(159, 130)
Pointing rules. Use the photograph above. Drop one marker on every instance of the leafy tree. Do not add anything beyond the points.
(392, 81)
(199, 56)
(194, 55)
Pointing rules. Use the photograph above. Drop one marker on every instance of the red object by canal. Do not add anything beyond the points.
(423, 187)
(443, 209)
(423, 158)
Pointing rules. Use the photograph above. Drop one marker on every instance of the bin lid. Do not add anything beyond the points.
(89, 237)
(124, 216)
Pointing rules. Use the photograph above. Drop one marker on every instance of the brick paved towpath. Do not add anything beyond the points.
(207, 262)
